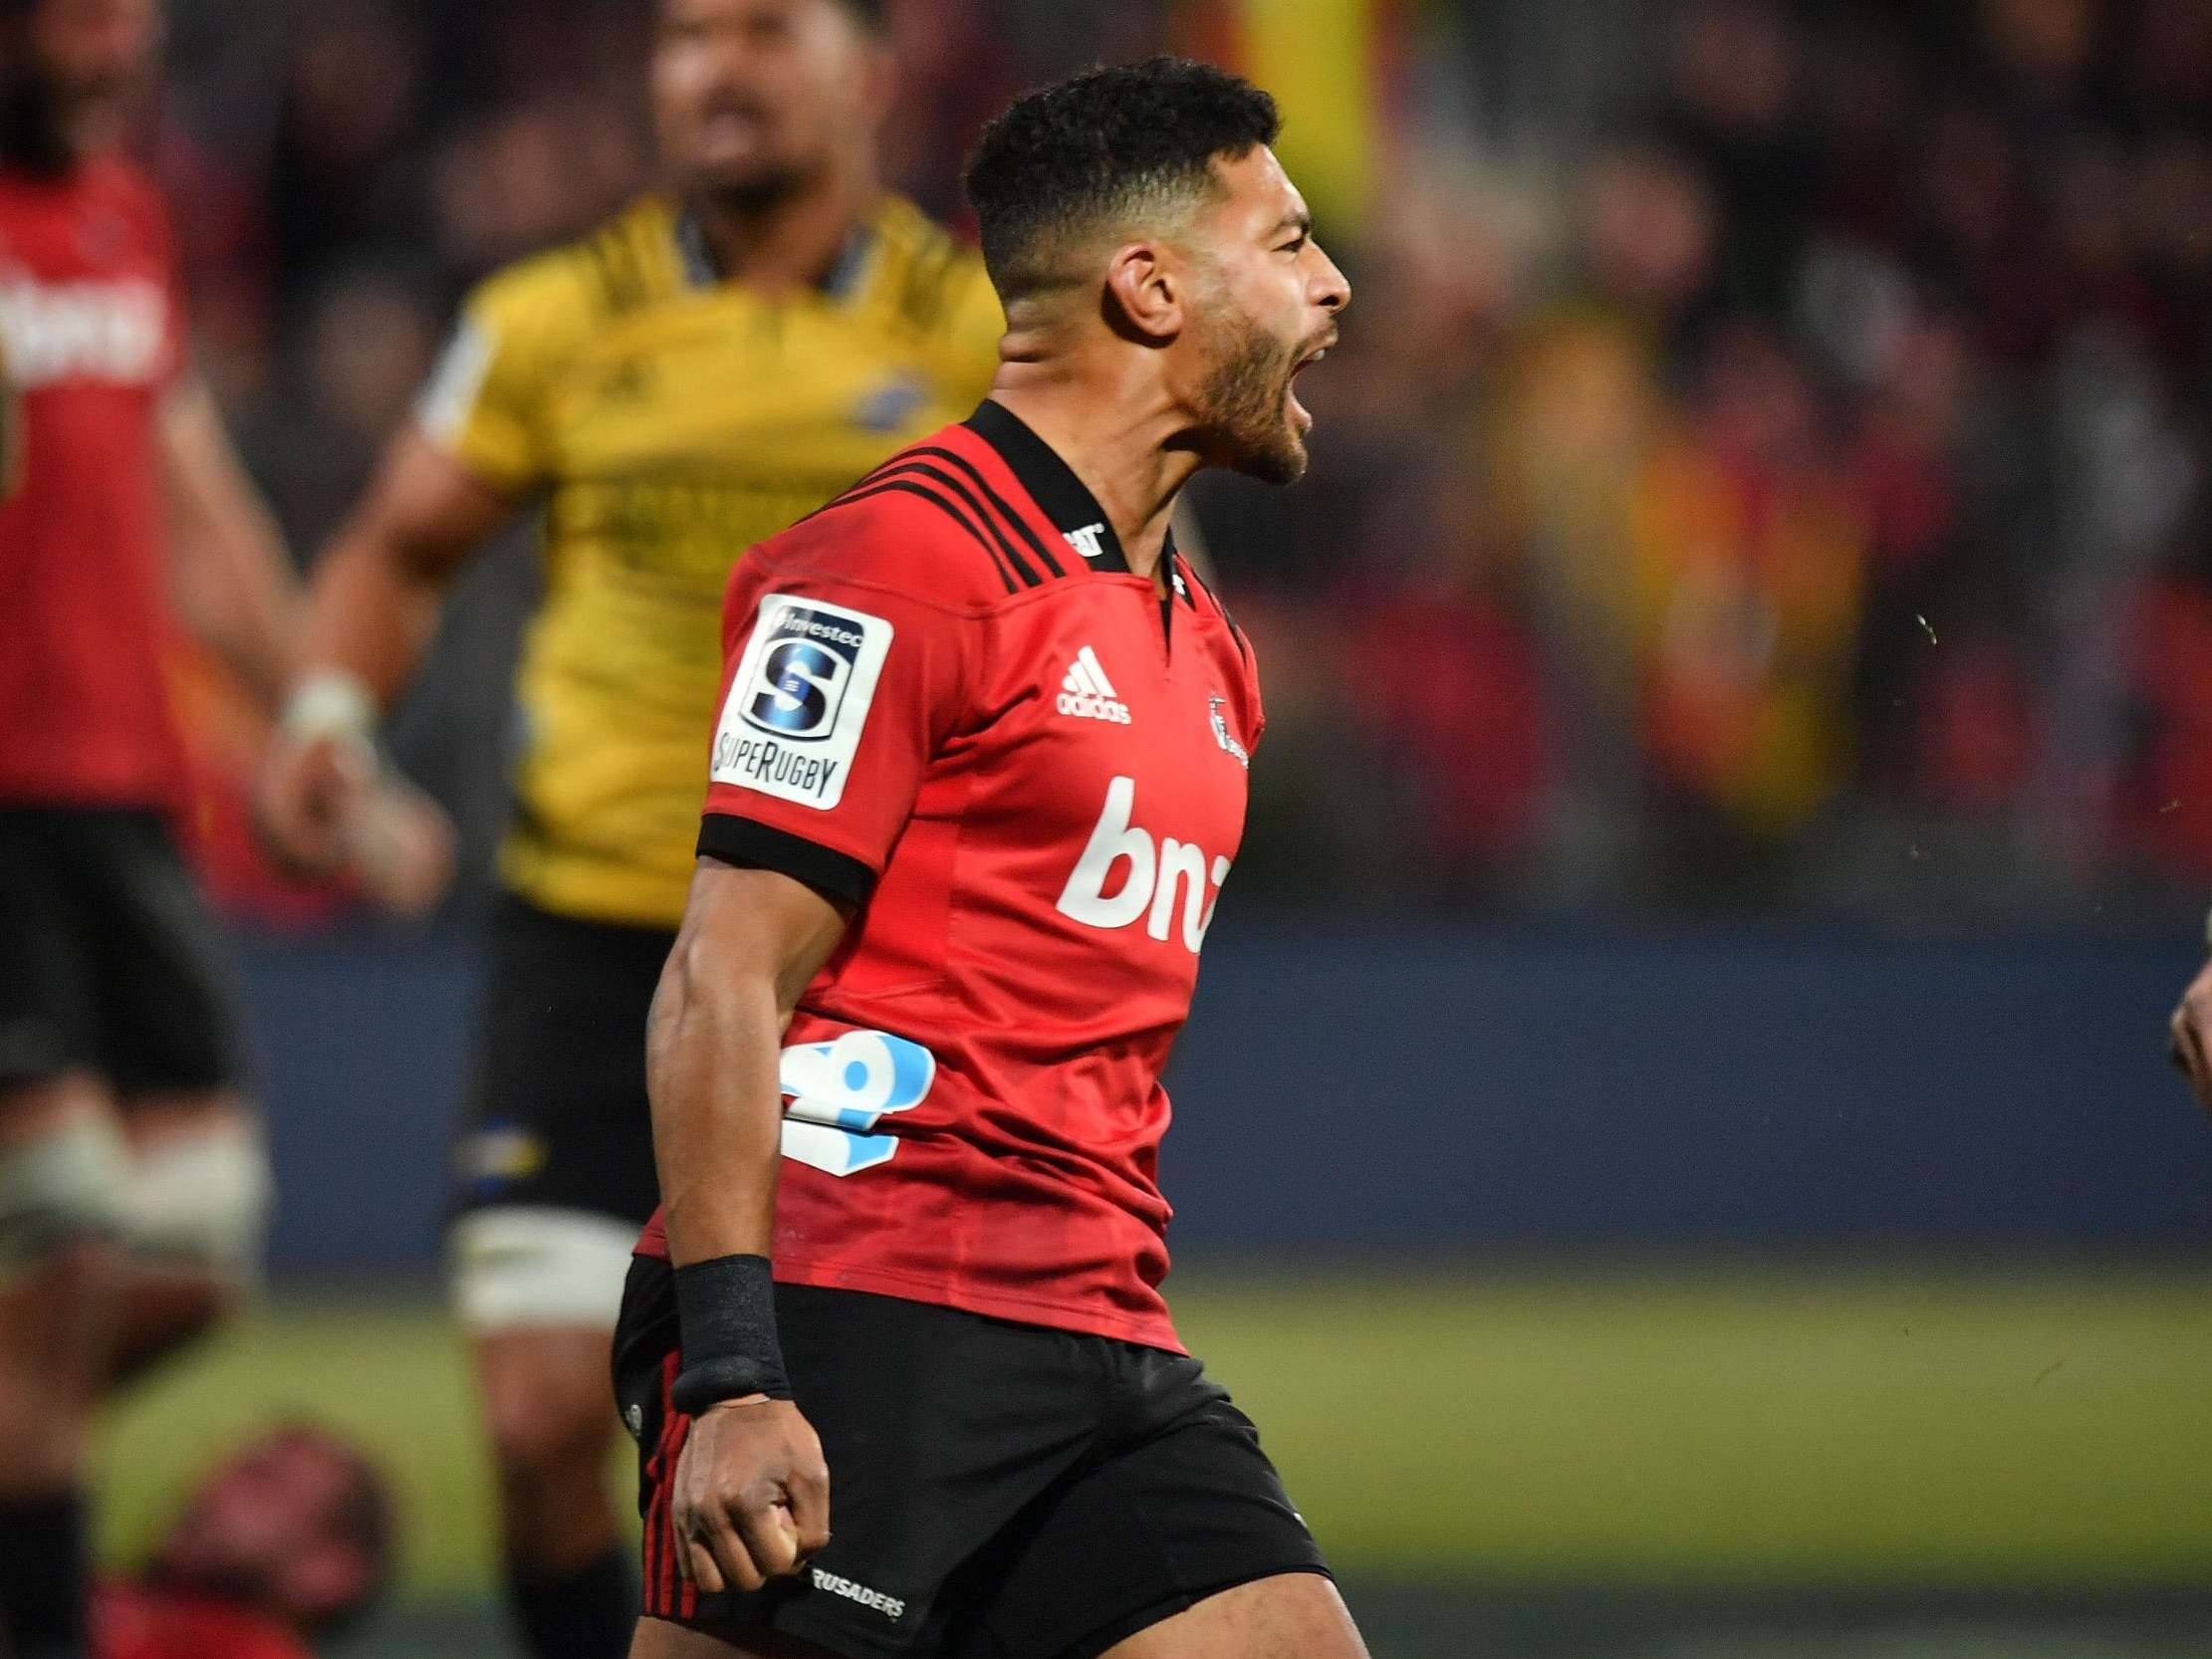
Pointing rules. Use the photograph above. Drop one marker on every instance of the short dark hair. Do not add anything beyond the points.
(1068, 157)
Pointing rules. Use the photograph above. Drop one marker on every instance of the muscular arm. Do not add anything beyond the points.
(233, 582)
(373, 604)
(751, 941)
(751, 1500)
(370, 617)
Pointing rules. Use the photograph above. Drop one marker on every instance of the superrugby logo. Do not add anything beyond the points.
(799, 682)
(1160, 878)
(1088, 695)
(799, 700)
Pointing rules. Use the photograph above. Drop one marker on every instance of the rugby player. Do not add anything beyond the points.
(716, 362)
(286, 1541)
(122, 1115)
(895, 1346)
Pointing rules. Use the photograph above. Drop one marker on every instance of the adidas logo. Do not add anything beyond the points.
(1088, 693)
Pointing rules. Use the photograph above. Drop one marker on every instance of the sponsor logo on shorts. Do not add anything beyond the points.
(890, 1606)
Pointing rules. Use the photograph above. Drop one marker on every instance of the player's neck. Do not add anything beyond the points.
(1122, 442)
(789, 242)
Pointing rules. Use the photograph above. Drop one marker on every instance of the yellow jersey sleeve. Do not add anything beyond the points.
(488, 402)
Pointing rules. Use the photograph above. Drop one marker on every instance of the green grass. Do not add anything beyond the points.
(1790, 1428)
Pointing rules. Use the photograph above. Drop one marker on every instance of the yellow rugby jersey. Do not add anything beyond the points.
(668, 421)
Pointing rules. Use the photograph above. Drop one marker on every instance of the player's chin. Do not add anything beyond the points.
(1278, 456)
(740, 179)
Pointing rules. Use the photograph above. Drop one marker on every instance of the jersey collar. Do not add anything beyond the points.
(1065, 499)
(841, 281)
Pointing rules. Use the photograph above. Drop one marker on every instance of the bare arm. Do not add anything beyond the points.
(232, 579)
(751, 941)
(2190, 1033)
(370, 617)
(751, 1499)
(374, 603)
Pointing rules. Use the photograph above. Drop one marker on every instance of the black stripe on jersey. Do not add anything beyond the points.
(621, 276)
(905, 486)
(982, 483)
(597, 255)
(1243, 645)
(748, 844)
(922, 297)
(909, 466)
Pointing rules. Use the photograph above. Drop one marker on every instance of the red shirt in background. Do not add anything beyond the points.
(90, 329)
(138, 1621)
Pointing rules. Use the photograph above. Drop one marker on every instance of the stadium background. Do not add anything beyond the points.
(1676, 1146)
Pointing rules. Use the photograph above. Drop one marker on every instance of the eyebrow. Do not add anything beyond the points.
(1301, 222)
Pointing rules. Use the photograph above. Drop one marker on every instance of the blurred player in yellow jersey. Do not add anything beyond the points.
(710, 366)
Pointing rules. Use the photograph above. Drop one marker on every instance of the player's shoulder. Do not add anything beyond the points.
(571, 290)
(933, 281)
(919, 525)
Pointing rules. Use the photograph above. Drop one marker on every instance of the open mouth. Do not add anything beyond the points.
(1306, 361)
(731, 121)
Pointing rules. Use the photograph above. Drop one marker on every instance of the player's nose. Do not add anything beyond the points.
(1331, 288)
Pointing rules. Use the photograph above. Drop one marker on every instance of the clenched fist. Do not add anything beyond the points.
(751, 1500)
(324, 808)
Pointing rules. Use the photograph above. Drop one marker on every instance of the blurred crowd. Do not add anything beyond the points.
(1782, 489)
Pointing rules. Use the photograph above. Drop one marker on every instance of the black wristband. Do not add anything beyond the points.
(726, 1313)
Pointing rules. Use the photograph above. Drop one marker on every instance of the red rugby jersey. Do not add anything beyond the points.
(947, 697)
(90, 337)
(143, 1621)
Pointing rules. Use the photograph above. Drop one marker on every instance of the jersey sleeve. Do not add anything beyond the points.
(838, 694)
(486, 400)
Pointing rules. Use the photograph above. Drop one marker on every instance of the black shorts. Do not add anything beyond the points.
(997, 1491)
(558, 1117)
(110, 960)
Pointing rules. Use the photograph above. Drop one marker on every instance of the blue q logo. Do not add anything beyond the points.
(839, 1090)
(799, 681)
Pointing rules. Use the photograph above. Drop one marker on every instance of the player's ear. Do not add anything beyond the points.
(1145, 292)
